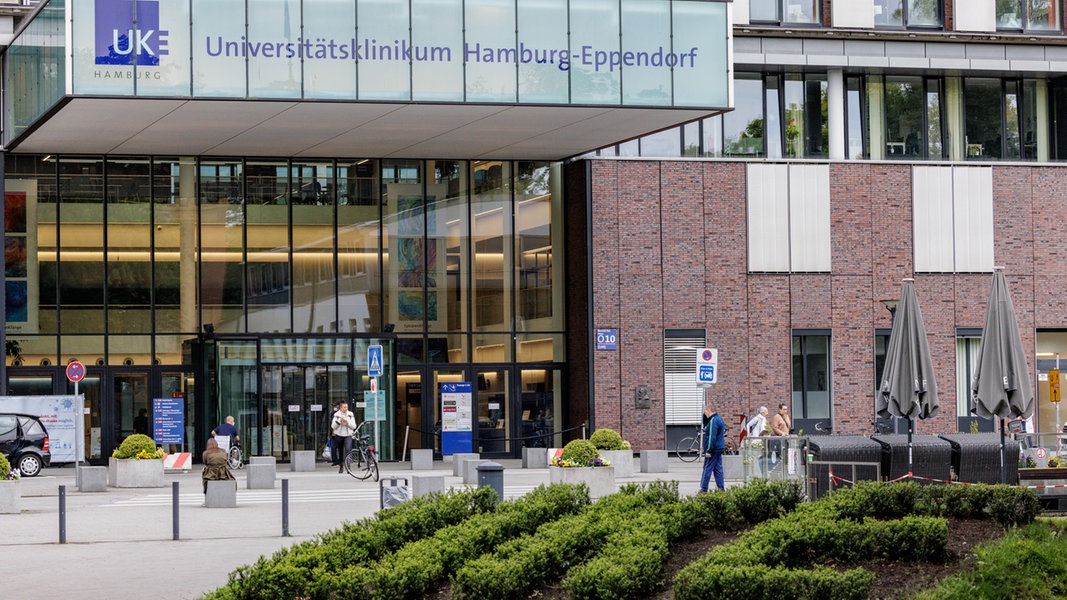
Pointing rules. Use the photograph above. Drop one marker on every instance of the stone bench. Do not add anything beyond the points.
(263, 460)
(422, 485)
(260, 476)
(653, 461)
(422, 459)
(534, 458)
(92, 479)
(221, 494)
(302, 460)
(457, 462)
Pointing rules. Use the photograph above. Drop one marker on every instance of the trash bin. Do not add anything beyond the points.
(393, 491)
(841, 450)
(976, 457)
(931, 457)
(491, 474)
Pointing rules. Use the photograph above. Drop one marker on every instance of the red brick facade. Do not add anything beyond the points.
(668, 251)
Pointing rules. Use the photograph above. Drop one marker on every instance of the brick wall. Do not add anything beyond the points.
(669, 250)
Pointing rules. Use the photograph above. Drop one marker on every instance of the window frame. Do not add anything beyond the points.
(905, 19)
(1024, 18)
(925, 126)
(799, 407)
(781, 14)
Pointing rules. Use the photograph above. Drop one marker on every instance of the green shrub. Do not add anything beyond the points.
(581, 452)
(1012, 506)
(606, 439)
(762, 581)
(5, 467)
(631, 565)
(137, 445)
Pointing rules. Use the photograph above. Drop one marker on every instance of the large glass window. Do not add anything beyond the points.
(811, 375)
(742, 127)
(806, 133)
(907, 13)
(1001, 118)
(855, 122)
(805, 12)
(913, 118)
(1028, 15)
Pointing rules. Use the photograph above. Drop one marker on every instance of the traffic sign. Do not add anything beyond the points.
(374, 361)
(707, 366)
(75, 371)
(1054, 385)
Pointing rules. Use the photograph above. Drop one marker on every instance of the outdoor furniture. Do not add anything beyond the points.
(931, 457)
(840, 451)
(976, 457)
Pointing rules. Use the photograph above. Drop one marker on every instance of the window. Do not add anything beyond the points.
(811, 375)
(805, 116)
(1000, 118)
(785, 12)
(855, 118)
(907, 13)
(913, 118)
(1028, 15)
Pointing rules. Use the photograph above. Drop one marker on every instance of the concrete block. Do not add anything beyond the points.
(92, 479)
(422, 459)
(457, 462)
(263, 460)
(732, 467)
(221, 494)
(622, 460)
(302, 460)
(260, 476)
(653, 461)
(470, 470)
(535, 458)
(422, 485)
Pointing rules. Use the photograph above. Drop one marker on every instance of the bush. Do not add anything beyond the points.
(607, 439)
(5, 467)
(137, 446)
(581, 452)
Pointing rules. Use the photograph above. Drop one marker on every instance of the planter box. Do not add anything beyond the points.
(622, 460)
(599, 480)
(10, 496)
(133, 473)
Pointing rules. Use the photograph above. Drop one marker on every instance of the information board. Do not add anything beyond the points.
(168, 420)
(456, 418)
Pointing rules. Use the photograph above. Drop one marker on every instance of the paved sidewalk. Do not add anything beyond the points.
(120, 542)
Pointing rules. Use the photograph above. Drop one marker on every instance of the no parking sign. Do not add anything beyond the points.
(707, 366)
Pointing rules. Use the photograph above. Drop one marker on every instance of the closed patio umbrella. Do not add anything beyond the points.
(1001, 386)
(908, 388)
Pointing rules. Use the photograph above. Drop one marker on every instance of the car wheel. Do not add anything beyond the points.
(29, 465)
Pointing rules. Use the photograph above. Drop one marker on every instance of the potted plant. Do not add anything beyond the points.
(581, 463)
(136, 463)
(10, 488)
(615, 450)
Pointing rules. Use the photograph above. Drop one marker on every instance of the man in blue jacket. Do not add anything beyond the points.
(713, 445)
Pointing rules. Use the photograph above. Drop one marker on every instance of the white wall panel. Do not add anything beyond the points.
(768, 217)
(809, 218)
(973, 219)
(976, 15)
(932, 219)
(740, 14)
(853, 13)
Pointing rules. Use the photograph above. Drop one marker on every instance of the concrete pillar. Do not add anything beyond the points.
(835, 108)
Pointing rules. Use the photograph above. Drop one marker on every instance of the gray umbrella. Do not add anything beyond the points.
(908, 388)
(1001, 387)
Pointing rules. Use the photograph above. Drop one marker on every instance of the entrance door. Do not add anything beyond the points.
(431, 411)
(493, 416)
(539, 408)
(298, 401)
(101, 437)
(131, 401)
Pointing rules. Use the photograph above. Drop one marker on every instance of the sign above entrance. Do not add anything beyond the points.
(374, 361)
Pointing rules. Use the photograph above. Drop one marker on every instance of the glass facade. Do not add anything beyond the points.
(172, 263)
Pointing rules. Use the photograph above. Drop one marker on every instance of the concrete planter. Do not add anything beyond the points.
(133, 473)
(10, 496)
(599, 480)
(622, 460)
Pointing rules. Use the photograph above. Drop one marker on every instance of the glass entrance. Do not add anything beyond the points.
(298, 402)
(133, 406)
(100, 439)
(540, 408)
(493, 415)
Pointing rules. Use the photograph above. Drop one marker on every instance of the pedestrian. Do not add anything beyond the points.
(140, 422)
(343, 426)
(330, 445)
(225, 434)
(781, 425)
(757, 425)
(216, 464)
(713, 446)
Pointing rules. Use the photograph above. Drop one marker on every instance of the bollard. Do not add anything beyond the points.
(62, 514)
(285, 508)
(491, 474)
(174, 508)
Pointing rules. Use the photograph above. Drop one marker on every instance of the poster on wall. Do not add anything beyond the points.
(418, 276)
(20, 255)
(456, 417)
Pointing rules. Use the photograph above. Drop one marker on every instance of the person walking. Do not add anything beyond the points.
(713, 445)
(343, 426)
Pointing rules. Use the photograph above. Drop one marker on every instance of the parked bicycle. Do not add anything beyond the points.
(361, 462)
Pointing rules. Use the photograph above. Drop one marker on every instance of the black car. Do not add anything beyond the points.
(24, 441)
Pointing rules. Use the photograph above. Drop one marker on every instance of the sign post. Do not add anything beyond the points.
(374, 370)
(75, 373)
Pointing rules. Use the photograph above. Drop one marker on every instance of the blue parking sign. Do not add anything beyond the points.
(374, 361)
(706, 374)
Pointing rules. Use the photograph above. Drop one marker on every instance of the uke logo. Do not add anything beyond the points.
(128, 33)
